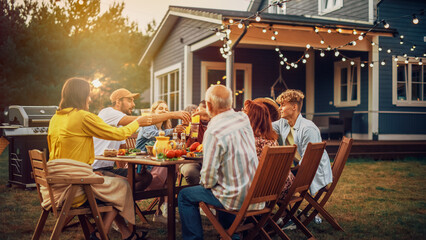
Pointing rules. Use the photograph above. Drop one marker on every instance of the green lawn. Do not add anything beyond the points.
(373, 200)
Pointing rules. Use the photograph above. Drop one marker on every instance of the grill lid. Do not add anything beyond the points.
(31, 116)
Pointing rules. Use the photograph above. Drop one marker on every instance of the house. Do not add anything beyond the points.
(344, 55)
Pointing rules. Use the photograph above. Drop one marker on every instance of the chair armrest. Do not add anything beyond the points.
(91, 180)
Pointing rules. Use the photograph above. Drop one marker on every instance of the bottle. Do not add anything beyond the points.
(183, 141)
(195, 124)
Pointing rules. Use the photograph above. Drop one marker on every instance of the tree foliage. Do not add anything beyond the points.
(43, 44)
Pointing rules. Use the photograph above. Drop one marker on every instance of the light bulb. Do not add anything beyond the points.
(385, 24)
(415, 19)
(264, 30)
(276, 32)
(352, 63)
(273, 38)
(401, 42)
(287, 67)
(360, 37)
(405, 55)
(277, 49)
(308, 46)
(371, 64)
(339, 30)
(395, 59)
(240, 25)
(322, 54)
(389, 50)
(322, 41)
(218, 34)
(303, 60)
(402, 36)
(295, 65)
(343, 59)
(420, 62)
(231, 21)
(282, 62)
(258, 18)
(353, 43)
(316, 30)
(307, 55)
(329, 30)
(229, 42)
(336, 53)
(414, 46)
(354, 32)
(406, 60)
(292, 64)
(362, 65)
(328, 48)
(380, 49)
(281, 55)
(285, 59)
(383, 63)
(373, 43)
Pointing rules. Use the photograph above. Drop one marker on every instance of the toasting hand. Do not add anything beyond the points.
(185, 116)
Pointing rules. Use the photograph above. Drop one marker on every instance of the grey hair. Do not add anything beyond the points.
(218, 102)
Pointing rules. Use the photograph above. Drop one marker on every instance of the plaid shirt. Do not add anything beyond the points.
(230, 159)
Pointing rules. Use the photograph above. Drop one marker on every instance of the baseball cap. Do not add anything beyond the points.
(122, 93)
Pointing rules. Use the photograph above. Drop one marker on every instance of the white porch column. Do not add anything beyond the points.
(152, 82)
(230, 75)
(373, 90)
(187, 83)
(310, 85)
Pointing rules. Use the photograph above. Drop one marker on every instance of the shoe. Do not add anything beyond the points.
(204, 214)
(142, 237)
(318, 220)
(115, 227)
(159, 218)
(289, 226)
(280, 222)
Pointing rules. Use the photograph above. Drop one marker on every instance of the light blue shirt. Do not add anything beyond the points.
(305, 131)
(147, 134)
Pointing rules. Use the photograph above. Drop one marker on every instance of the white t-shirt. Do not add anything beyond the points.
(111, 117)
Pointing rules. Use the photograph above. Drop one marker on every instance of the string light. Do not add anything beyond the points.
(287, 67)
(383, 63)
(257, 18)
(273, 38)
(405, 55)
(282, 62)
(329, 30)
(353, 43)
(307, 55)
(371, 64)
(385, 24)
(336, 53)
(415, 19)
(316, 30)
(231, 21)
(395, 59)
(362, 65)
(277, 49)
(389, 50)
(343, 59)
(339, 30)
(380, 49)
(406, 60)
(322, 54)
(354, 32)
(420, 62)
(308, 46)
(264, 30)
(361, 37)
(328, 48)
(373, 43)
(240, 25)
(303, 60)
(276, 32)
(322, 41)
(352, 63)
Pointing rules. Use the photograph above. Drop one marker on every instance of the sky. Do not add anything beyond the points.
(144, 11)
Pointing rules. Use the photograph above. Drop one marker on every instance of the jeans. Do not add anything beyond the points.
(189, 212)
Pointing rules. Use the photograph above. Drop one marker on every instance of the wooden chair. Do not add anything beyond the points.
(325, 192)
(267, 185)
(41, 177)
(298, 190)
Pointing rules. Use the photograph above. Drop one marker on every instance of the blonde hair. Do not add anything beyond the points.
(292, 96)
(166, 124)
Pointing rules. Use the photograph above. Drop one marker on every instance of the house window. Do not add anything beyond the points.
(409, 82)
(275, 9)
(326, 6)
(347, 83)
(167, 87)
(215, 73)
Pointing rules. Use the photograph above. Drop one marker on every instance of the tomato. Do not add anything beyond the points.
(183, 152)
(121, 152)
(194, 146)
(170, 154)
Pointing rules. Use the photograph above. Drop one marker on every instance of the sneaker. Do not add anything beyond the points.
(159, 218)
(204, 214)
(318, 219)
(115, 227)
(280, 222)
(289, 226)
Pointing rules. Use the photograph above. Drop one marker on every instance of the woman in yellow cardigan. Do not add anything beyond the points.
(70, 136)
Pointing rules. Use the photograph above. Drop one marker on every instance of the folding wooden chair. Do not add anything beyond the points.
(267, 185)
(41, 177)
(325, 192)
(298, 190)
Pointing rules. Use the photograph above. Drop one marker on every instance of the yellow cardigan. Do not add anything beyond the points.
(71, 133)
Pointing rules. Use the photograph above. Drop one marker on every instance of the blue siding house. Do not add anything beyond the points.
(365, 56)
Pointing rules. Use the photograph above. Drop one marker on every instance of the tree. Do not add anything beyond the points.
(43, 44)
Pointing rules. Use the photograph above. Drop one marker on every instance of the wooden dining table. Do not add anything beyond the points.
(170, 191)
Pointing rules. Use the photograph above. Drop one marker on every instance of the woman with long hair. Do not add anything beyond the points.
(264, 134)
(70, 136)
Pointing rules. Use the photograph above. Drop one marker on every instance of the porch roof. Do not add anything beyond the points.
(219, 16)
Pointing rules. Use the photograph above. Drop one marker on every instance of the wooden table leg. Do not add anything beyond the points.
(131, 179)
(171, 208)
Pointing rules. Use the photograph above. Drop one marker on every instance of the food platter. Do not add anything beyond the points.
(192, 158)
(126, 156)
(165, 159)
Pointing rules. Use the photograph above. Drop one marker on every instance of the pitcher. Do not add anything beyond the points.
(163, 144)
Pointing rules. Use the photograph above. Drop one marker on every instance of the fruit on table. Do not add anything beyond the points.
(170, 154)
(199, 148)
(122, 152)
(194, 146)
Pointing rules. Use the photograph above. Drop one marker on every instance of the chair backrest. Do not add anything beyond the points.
(39, 166)
(341, 158)
(271, 175)
(131, 141)
(307, 170)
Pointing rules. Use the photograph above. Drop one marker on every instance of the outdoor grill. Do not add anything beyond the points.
(26, 129)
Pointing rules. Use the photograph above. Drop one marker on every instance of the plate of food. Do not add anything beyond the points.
(193, 156)
(126, 156)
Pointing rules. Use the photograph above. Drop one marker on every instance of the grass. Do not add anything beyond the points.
(373, 200)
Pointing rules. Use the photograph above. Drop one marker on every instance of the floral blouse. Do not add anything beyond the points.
(261, 142)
